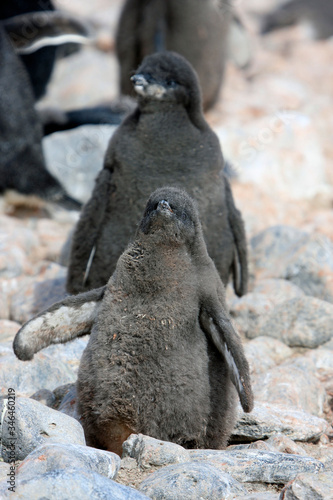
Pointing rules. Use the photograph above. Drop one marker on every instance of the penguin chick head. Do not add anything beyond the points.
(171, 216)
(167, 76)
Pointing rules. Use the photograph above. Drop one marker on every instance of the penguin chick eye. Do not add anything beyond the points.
(171, 84)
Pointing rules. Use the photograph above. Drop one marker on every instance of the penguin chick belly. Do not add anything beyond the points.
(147, 364)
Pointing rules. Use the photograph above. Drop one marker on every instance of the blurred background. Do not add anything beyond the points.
(274, 116)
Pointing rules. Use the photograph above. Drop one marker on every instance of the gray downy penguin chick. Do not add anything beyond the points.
(318, 14)
(163, 358)
(196, 29)
(165, 141)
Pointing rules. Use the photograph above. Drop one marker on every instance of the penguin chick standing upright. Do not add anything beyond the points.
(196, 29)
(165, 141)
(163, 358)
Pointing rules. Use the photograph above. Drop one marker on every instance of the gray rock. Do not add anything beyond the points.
(264, 353)
(76, 156)
(300, 322)
(311, 267)
(256, 445)
(8, 330)
(305, 259)
(284, 444)
(290, 385)
(322, 360)
(267, 420)
(14, 263)
(4, 470)
(277, 289)
(37, 293)
(7, 288)
(252, 466)
(190, 481)
(277, 442)
(81, 484)
(267, 495)
(49, 369)
(69, 353)
(35, 424)
(272, 245)
(148, 451)
(15, 247)
(69, 457)
(325, 455)
(328, 345)
(309, 487)
(251, 310)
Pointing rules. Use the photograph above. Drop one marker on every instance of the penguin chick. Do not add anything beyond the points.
(163, 358)
(165, 141)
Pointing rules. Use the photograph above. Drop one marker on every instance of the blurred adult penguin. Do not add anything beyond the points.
(165, 141)
(22, 166)
(39, 65)
(196, 29)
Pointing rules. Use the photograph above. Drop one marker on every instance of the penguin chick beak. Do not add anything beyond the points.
(147, 88)
(163, 205)
(139, 82)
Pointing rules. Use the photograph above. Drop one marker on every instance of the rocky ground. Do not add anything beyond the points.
(274, 120)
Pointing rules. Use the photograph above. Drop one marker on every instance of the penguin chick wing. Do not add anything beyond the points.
(66, 320)
(218, 328)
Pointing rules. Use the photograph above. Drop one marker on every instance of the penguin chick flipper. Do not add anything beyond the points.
(218, 328)
(87, 231)
(240, 266)
(45, 28)
(63, 321)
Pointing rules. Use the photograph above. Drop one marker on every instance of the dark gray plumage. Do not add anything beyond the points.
(38, 65)
(196, 29)
(318, 13)
(163, 358)
(40, 35)
(21, 158)
(55, 120)
(165, 141)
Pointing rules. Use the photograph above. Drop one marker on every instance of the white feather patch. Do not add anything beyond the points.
(52, 40)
